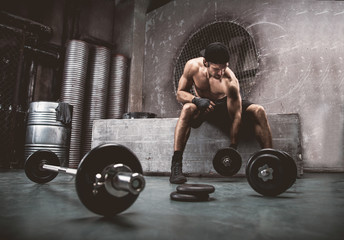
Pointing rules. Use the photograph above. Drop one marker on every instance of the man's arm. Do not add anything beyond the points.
(234, 106)
(184, 86)
(185, 83)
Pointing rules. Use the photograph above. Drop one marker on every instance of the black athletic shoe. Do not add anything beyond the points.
(177, 176)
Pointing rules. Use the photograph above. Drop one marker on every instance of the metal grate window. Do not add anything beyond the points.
(243, 54)
(11, 45)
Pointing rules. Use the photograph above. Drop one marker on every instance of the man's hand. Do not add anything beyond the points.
(203, 104)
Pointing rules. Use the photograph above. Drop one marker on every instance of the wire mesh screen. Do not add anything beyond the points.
(11, 45)
(243, 55)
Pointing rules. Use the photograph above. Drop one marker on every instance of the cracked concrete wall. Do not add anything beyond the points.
(300, 63)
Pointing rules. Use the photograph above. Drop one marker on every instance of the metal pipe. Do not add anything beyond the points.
(53, 168)
(265, 172)
(119, 180)
(26, 25)
(43, 53)
(130, 182)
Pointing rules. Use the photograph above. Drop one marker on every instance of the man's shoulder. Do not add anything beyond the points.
(194, 64)
(229, 79)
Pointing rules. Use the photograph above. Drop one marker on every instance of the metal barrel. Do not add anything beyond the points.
(117, 87)
(73, 91)
(45, 132)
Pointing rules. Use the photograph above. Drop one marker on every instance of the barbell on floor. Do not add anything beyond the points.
(269, 172)
(108, 179)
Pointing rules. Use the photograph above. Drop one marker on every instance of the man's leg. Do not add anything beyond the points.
(181, 136)
(261, 125)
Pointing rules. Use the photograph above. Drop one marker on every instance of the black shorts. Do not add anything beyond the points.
(219, 117)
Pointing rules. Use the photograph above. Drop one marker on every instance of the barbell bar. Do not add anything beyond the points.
(108, 179)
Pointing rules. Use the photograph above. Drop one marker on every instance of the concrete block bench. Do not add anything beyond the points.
(151, 139)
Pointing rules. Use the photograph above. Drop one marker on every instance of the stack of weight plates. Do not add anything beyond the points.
(73, 91)
(97, 88)
(192, 192)
(117, 87)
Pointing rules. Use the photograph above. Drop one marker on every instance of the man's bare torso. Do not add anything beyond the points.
(206, 86)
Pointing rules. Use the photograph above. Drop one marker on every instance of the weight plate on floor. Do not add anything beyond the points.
(195, 189)
(188, 197)
(94, 162)
(267, 172)
(34, 163)
(291, 168)
(227, 161)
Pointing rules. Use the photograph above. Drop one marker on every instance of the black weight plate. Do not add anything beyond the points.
(195, 189)
(234, 161)
(34, 163)
(94, 162)
(188, 197)
(134, 115)
(291, 169)
(274, 159)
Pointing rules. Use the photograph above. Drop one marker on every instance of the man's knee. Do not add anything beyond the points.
(188, 111)
(191, 116)
(258, 112)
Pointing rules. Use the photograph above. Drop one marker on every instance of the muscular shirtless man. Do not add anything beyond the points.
(217, 99)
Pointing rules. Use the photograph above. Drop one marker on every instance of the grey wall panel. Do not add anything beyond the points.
(300, 58)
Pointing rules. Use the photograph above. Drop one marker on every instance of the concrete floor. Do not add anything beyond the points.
(312, 209)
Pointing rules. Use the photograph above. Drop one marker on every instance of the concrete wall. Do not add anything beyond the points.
(129, 38)
(123, 25)
(300, 63)
(97, 19)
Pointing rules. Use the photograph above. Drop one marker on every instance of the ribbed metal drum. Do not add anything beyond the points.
(44, 132)
(96, 92)
(117, 87)
(73, 91)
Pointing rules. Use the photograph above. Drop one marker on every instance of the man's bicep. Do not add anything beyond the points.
(233, 92)
(233, 98)
(186, 81)
(184, 84)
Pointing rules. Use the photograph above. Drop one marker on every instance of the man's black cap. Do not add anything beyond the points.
(216, 53)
